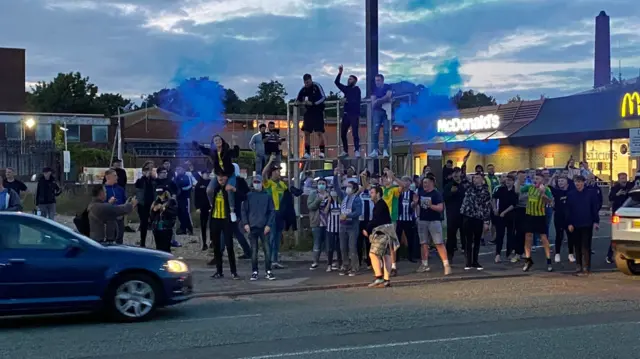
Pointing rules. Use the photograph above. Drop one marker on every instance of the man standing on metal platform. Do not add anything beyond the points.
(381, 105)
(351, 116)
(312, 96)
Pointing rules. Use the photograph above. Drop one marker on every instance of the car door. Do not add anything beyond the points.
(50, 268)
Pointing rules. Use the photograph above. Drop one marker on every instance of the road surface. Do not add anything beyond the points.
(551, 316)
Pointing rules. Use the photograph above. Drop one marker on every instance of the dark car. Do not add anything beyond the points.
(45, 267)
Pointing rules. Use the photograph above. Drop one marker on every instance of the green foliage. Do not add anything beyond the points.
(471, 99)
(72, 93)
(516, 98)
(269, 99)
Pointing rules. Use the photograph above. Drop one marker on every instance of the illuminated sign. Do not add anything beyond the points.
(630, 105)
(480, 123)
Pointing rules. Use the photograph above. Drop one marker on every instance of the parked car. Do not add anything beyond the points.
(625, 234)
(46, 267)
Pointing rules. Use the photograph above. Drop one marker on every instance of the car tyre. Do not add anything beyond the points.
(132, 298)
(627, 266)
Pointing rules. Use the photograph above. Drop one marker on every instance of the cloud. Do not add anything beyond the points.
(524, 47)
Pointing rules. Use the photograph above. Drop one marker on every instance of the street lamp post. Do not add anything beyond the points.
(65, 129)
(27, 123)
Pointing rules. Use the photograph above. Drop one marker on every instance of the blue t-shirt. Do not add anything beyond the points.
(427, 214)
(380, 92)
(4, 199)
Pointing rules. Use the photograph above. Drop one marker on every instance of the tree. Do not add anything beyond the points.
(269, 99)
(516, 98)
(72, 93)
(171, 99)
(471, 99)
(233, 103)
(333, 97)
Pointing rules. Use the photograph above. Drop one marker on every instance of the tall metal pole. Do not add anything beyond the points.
(371, 43)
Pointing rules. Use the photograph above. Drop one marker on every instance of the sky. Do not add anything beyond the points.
(135, 47)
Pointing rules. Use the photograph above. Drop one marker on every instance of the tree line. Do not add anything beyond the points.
(74, 93)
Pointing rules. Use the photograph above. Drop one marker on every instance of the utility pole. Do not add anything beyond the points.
(371, 42)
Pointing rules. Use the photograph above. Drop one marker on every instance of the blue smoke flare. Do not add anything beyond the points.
(200, 103)
(420, 117)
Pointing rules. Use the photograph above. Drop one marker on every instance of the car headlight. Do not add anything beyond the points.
(175, 266)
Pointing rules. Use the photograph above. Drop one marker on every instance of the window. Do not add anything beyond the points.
(73, 133)
(100, 133)
(14, 131)
(43, 132)
(27, 233)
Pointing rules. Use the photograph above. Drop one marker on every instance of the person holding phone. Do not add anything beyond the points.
(164, 212)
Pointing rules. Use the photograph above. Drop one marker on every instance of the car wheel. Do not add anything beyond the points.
(626, 266)
(132, 298)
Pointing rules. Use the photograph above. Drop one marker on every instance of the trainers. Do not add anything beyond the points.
(352, 273)
(306, 156)
(234, 218)
(357, 153)
(343, 271)
(549, 267)
(394, 272)
(329, 269)
(334, 266)
(556, 258)
(609, 260)
(377, 283)
(478, 266)
(572, 258)
(217, 275)
(386, 284)
(515, 258)
(270, 276)
(343, 155)
(528, 263)
(254, 276)
(235, 276)
(423, 268)
(385, 154)
(467, 267)
(314, 266)
(447, 270)
(497, 259)
(175, 243)
(373, 154)
(321, 154)
(277, 265)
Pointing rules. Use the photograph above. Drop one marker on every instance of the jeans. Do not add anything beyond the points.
(120, 235)
(350, 121)
(582, 237)
(349, 245)
(184, 214)
(163, 240)
(561, 229)
(333, 245)
(364, 246)
(256, 234)
(276, 235)
(143, 214)
(380, 120)
(235, 229)
(221, 228)
(319, 242)
(454, 225)
(505, 225)
(260, 162)
(205, 214)
(472, 228)
(413, 245)
(48, 210)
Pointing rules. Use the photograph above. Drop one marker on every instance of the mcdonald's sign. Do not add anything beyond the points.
(630, 105)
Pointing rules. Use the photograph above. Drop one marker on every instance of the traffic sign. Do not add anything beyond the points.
(66, 159)
(634, 142)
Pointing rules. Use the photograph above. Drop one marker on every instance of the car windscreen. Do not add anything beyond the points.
(634, 199)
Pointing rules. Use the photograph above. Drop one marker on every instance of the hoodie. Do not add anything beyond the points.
(47, 190)
(257, 210)
(184, 184)
(477, 203)
(453, 195)
(145, 191)
(117, 192)
(351, 205)
(353, 95)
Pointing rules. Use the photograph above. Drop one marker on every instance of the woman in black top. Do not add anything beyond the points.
(381, 216)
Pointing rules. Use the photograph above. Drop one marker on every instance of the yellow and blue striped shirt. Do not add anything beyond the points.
(535, 202)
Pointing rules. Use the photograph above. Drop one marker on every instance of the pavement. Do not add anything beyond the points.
(298, 277)
(542, 315)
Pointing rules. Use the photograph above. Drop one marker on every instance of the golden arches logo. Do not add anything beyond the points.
(630, 105)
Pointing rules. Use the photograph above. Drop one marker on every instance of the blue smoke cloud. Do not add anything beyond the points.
(201, 104)
(420, 117)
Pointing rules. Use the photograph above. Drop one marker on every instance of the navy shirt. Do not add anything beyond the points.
(427, 214)
(582, 208)
(353, 96)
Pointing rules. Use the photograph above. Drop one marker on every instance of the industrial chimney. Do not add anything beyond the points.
(602, 65)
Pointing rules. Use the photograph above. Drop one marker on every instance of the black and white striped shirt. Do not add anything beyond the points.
(405, 211)
(367, 206)
(333, 222)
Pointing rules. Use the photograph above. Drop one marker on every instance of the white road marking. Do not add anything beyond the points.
(428, 341)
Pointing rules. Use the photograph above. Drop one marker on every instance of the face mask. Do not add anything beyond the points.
(322, 187)
(257, 186)
(412, 186)
(349, 190)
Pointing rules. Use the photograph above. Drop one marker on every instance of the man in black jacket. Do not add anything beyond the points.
(453, 195)
(351, 116)
(312, 97)
(582, 211)
(145, 194)
(164, 212)
(46, 194)
(381, 216)
(617, 196)
(203, 205)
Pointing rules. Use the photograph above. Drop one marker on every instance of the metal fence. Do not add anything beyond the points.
(28, 157)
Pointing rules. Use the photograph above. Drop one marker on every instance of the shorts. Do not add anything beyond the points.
(313, 122)
(430, 231)
(536, 224)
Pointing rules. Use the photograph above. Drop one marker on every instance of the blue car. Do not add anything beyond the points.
(46, 267)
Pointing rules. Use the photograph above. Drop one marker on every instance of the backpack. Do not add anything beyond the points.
(82, 222)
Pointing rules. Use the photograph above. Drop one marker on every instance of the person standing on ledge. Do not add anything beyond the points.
(312, 96)
(351, 116)
(381, 105)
